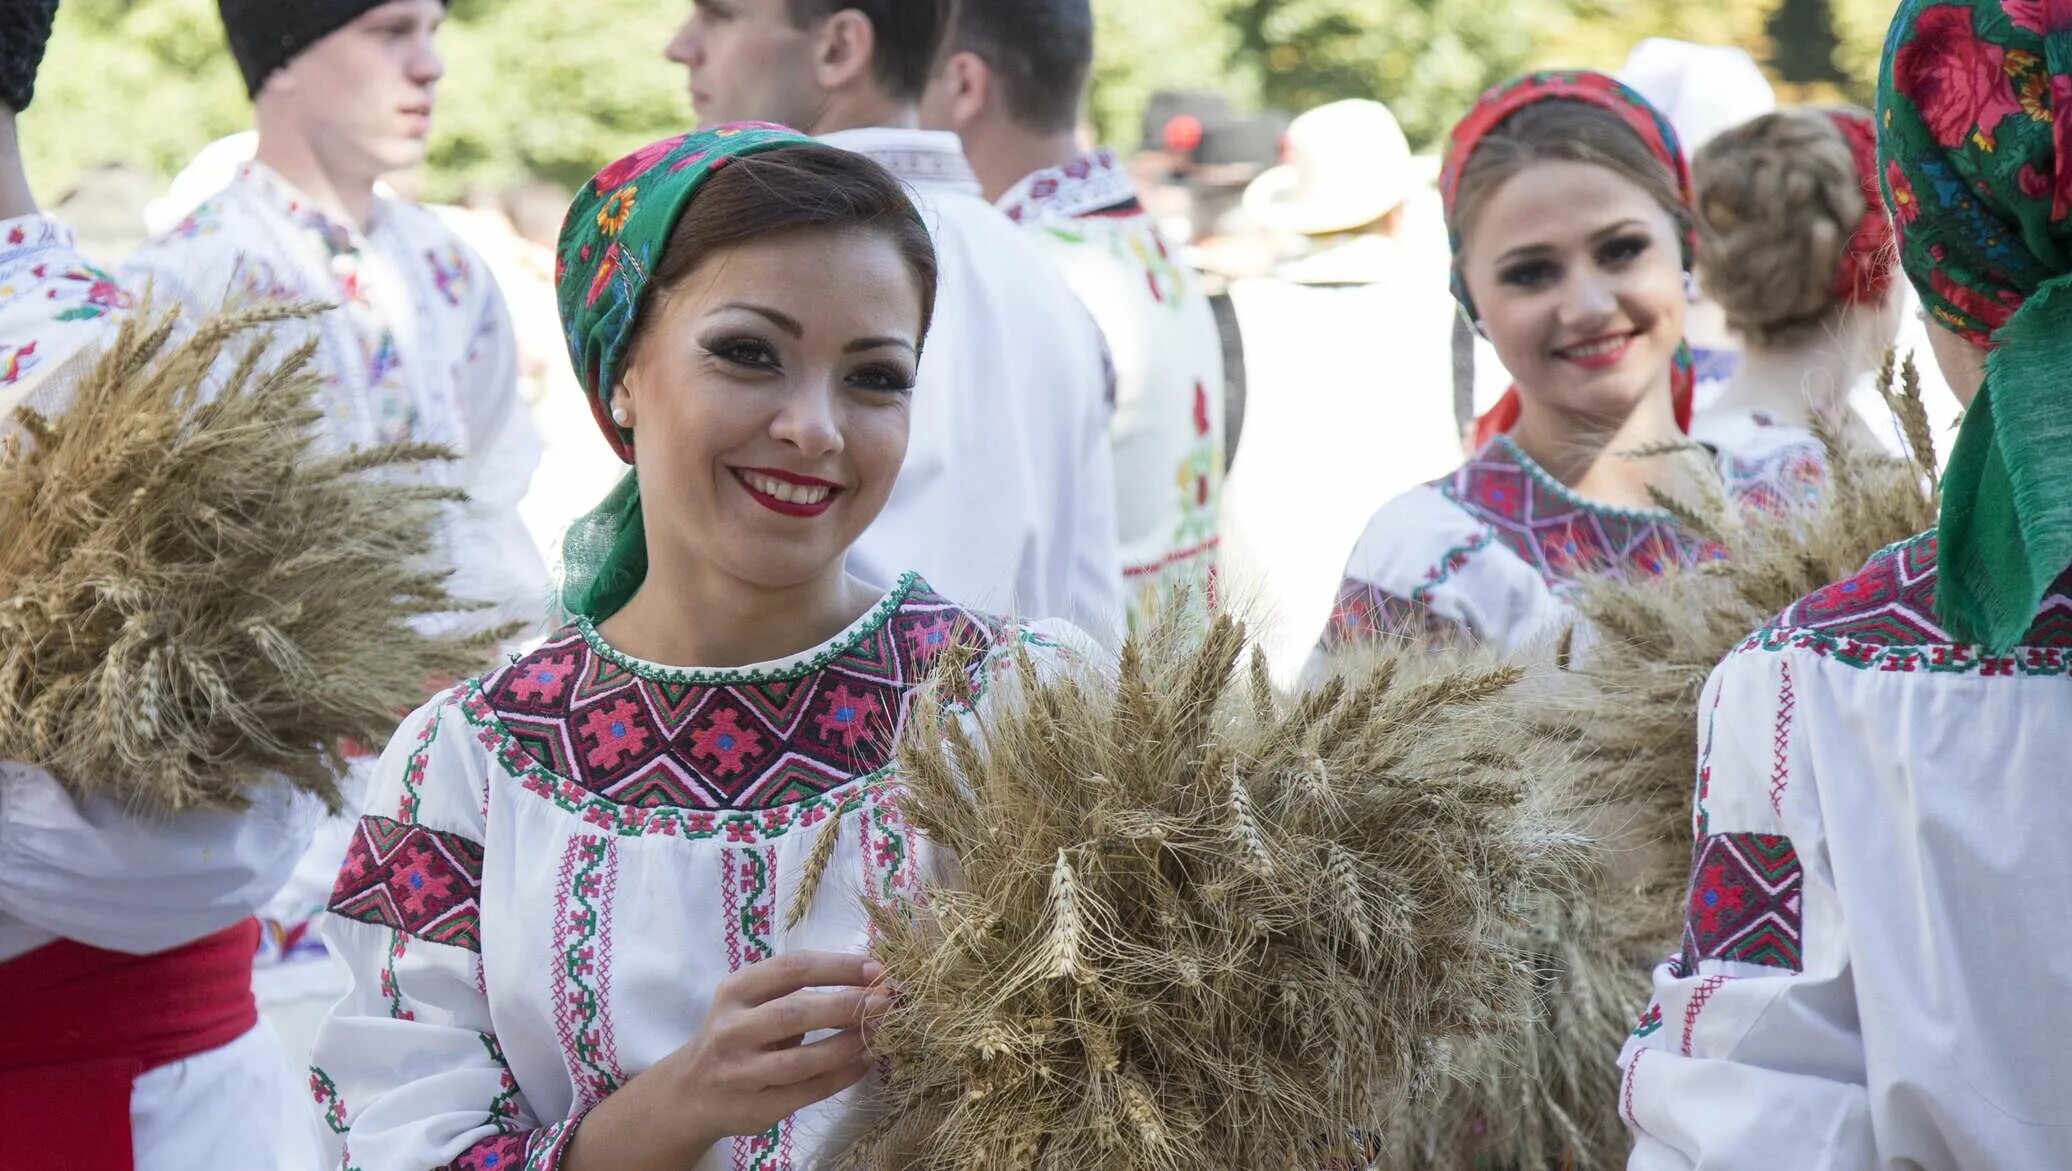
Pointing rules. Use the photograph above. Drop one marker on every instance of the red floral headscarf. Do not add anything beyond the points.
(1975, 131)
(1864, 275)
(1596, 89)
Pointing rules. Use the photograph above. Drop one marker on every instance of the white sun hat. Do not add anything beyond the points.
(1702, 89)
(1347, 164)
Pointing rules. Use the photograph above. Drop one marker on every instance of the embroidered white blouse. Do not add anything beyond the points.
(565, 858)
(1493, 552)
(1007, 496)
(1153, 311)
(420, 350)
(1875, 957)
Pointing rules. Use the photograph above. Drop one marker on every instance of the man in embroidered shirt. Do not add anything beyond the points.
(1006, 498)
(1011, 87)
(91, 898)
(420, 348)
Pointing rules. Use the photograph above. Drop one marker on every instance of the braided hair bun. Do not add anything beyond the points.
(24, 32)
(1778, 200)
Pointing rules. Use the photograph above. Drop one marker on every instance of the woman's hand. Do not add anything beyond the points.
(747, 1069)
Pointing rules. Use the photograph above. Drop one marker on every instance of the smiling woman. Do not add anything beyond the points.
(559, 909)
(1569, 206)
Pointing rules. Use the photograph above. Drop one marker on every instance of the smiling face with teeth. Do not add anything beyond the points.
(768, 396)
(1578, 274)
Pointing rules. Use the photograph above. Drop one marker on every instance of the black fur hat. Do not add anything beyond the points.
(267, 34)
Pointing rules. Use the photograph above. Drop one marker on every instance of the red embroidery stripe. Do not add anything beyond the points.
(1780, 768)
(1626, 1105)
(1699, 998)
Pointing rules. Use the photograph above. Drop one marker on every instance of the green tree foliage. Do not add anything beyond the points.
(142, 82)
(1426, 58)
(1144, 46)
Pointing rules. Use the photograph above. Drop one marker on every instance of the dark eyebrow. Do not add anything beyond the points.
(783, 321)
(1530, 250)
(877, 343)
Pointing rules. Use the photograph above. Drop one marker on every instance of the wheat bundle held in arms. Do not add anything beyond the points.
(192, 598)
(1629, 704)
(1194, 925)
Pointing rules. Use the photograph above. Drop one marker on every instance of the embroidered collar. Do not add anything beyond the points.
(584, 721)
(1090, 183)
(922, 158)
(287, 199)
(1562, 535)
(790, 667)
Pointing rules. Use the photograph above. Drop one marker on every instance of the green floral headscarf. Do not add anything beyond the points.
(1975, 138)
(610, 243)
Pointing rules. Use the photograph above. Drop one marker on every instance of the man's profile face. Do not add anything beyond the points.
(748, 63)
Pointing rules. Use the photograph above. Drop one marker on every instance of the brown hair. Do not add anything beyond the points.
(809, 186)
(1041, 53)
(908, 35)
(1778, 201)
(1562, 130)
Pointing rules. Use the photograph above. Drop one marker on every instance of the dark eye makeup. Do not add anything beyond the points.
(753, 355)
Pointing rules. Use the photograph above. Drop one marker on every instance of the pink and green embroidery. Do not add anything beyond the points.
(636, 749)
(414, 880)
(415, 768)
(748, 889)
(583, 903)
(1883, 619)
(329, 1103)
(1745, 904)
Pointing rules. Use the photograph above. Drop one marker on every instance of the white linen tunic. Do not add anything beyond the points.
(1152, 309)
(1876, 960)
(564, 859)
(1007, 497)
(1493, 552)
(419, 350)
(90, 872)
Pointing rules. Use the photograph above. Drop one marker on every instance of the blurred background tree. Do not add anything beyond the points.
(551, 89)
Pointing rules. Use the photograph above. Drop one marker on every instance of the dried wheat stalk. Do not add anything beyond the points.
(1196, 926)
(1629, 705)
(192, 599)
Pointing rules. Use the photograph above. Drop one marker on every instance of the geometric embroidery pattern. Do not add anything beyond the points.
(532, 1150)
(1884, 619)
(1365, 613)
(1567, 538)
(1745, 903)
(417, 881)
(583, 905)
(1558, 533)
(644, 737)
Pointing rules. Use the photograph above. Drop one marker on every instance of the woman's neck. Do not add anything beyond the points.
(1586, 452)
(702, 617)
(15, 197)
(1792, 382)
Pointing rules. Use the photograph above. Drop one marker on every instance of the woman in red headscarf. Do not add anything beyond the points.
(1795, 245)
(1569, 206)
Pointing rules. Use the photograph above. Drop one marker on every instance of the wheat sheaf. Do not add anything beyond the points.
(1193, 924)
(193, 598)
(1628, 704)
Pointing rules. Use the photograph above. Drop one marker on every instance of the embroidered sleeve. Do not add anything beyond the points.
(1367, 613)
(408, 1072)
(1751, 1046)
